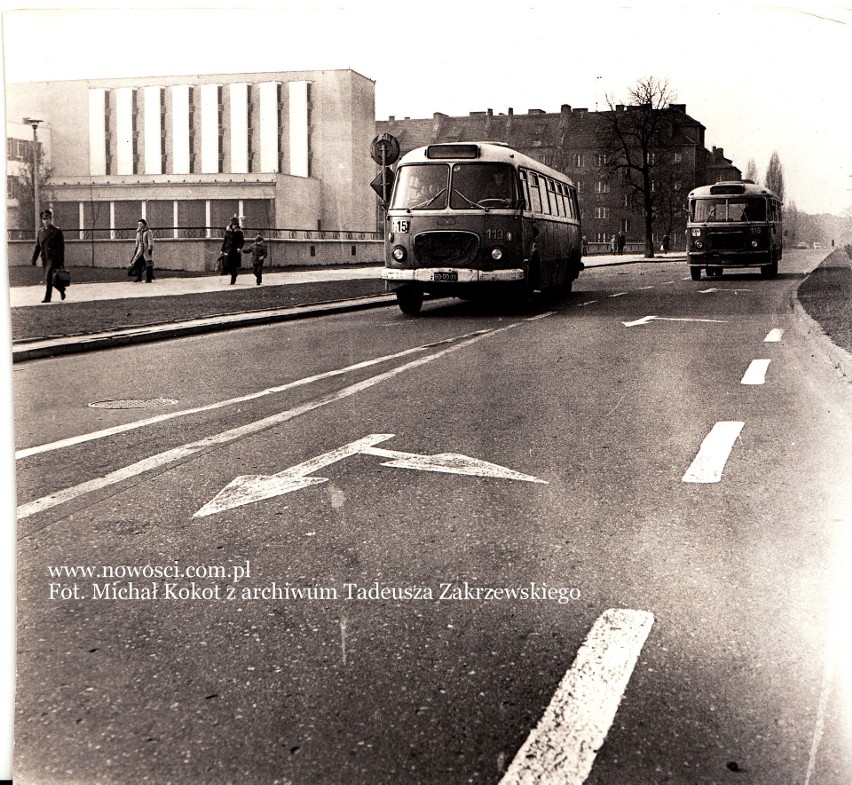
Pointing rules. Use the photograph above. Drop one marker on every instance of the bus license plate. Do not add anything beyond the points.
(447, 276)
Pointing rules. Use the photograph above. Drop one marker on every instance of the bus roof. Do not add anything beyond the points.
(732, 188)
(480, 151)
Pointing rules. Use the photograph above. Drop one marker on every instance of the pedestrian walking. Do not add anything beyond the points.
(613, 244)
(143, 252)
(50, 244)
(665, 246)
(621, 242)
(585, 249)
(232, 246)
(258, 256)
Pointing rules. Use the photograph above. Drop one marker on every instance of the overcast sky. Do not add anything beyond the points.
(759, 79)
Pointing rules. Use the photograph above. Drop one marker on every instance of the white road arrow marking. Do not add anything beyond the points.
(562, 748)
(248, 488)
(774, 335)
(646, 319)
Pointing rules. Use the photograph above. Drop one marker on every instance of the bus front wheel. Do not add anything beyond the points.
(695, 273)
(409, 300)
(770, 270)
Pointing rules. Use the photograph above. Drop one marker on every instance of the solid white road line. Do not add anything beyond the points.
(715, 449)
(106, 432)
(756, 373)
(562, 748)
(774, 336)
(188, 450)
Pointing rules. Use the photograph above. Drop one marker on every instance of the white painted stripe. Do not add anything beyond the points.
(587, 302)
(106, 432)
(715, 449)
(562, 748)
(642, 288)
(774, 336)
(756, 373)
(193, 448)
(619, 294)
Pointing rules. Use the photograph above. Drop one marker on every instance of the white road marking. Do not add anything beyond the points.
(587, 302)
(641, 288)
(562, 748)
(735, 291)
(247, 489)
(756, 373)
(193, 448)
(647, 319)
(106, 432)
(715, 449)
(774, 335)
(619, 294)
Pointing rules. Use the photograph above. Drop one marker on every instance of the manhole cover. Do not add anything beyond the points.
(148, 403)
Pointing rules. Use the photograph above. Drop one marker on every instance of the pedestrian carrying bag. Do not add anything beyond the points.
(61, 278)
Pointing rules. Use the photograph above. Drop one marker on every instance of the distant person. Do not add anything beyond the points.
(621, 242)
(232, 246)
(585, 246)
(143, 252)
(613, 244)
(50, 244)
(258, 256)
(665, 246)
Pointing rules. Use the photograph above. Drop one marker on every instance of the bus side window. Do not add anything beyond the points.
(545, 202)
(560, 200)
(575, 208)
(525, 190)
(535, 193)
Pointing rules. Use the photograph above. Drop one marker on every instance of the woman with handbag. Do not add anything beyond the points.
(143, 253)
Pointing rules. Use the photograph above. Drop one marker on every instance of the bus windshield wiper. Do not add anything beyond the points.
(472, 204)
(428, 201)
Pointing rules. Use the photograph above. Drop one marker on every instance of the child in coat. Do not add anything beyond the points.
(258, 255)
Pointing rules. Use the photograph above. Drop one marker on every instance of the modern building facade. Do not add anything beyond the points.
(573, 141)
(286, 151)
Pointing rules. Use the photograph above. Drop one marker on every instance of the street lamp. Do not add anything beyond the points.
(34, 123)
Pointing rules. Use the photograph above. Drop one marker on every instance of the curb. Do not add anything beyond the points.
(39, 348)
(838, 358)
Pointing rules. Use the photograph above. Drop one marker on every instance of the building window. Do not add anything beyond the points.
(625, 200)
(677, 185)
(602, 212)
(600, 159)
(577, 160)
(677, 158)
(625, 225)
(602, 187)
(651, 158)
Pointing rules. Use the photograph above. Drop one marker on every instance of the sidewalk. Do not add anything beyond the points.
(183, 305)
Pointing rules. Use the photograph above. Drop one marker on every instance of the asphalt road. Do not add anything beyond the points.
(689, 471)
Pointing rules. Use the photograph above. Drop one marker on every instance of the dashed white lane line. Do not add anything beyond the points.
(774, 336)
(756, 373)
(562, 748)
(618, 294)
(713, 455)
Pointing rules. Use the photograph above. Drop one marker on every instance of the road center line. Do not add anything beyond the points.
(106, 432)
(756, 373)
(562, 748)
(715, 449)
(193, 448)
(774, 336)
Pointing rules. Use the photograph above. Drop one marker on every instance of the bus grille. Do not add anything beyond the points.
(446, 248)
(728, 241)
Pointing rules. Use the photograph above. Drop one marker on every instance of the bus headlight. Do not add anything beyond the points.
(398, 253)
(497, 254)
(698, 245)
(754, 243)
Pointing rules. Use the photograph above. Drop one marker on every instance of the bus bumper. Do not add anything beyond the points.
(450, 275)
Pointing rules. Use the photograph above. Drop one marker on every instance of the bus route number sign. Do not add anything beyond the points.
(399, 225)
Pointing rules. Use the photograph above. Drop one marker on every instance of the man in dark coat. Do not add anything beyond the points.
(232, 247)
(51, 245)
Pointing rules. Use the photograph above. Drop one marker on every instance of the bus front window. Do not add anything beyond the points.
(483, 185)
(721, 210)
(421, 187)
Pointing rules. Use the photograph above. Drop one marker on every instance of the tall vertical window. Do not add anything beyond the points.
(299, 129)
(182, 129)
(98, 132)
(153, 130)
(238, 97)
(124, 131)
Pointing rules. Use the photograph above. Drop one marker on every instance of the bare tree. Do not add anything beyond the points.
(639, 138)
(775, 176)
(25, 193)
(751, 171)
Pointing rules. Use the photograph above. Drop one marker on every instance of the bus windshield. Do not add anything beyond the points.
(482, 185)
(721, 210)
(421, 187)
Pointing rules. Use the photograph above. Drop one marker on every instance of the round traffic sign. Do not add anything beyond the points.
(384, 149)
